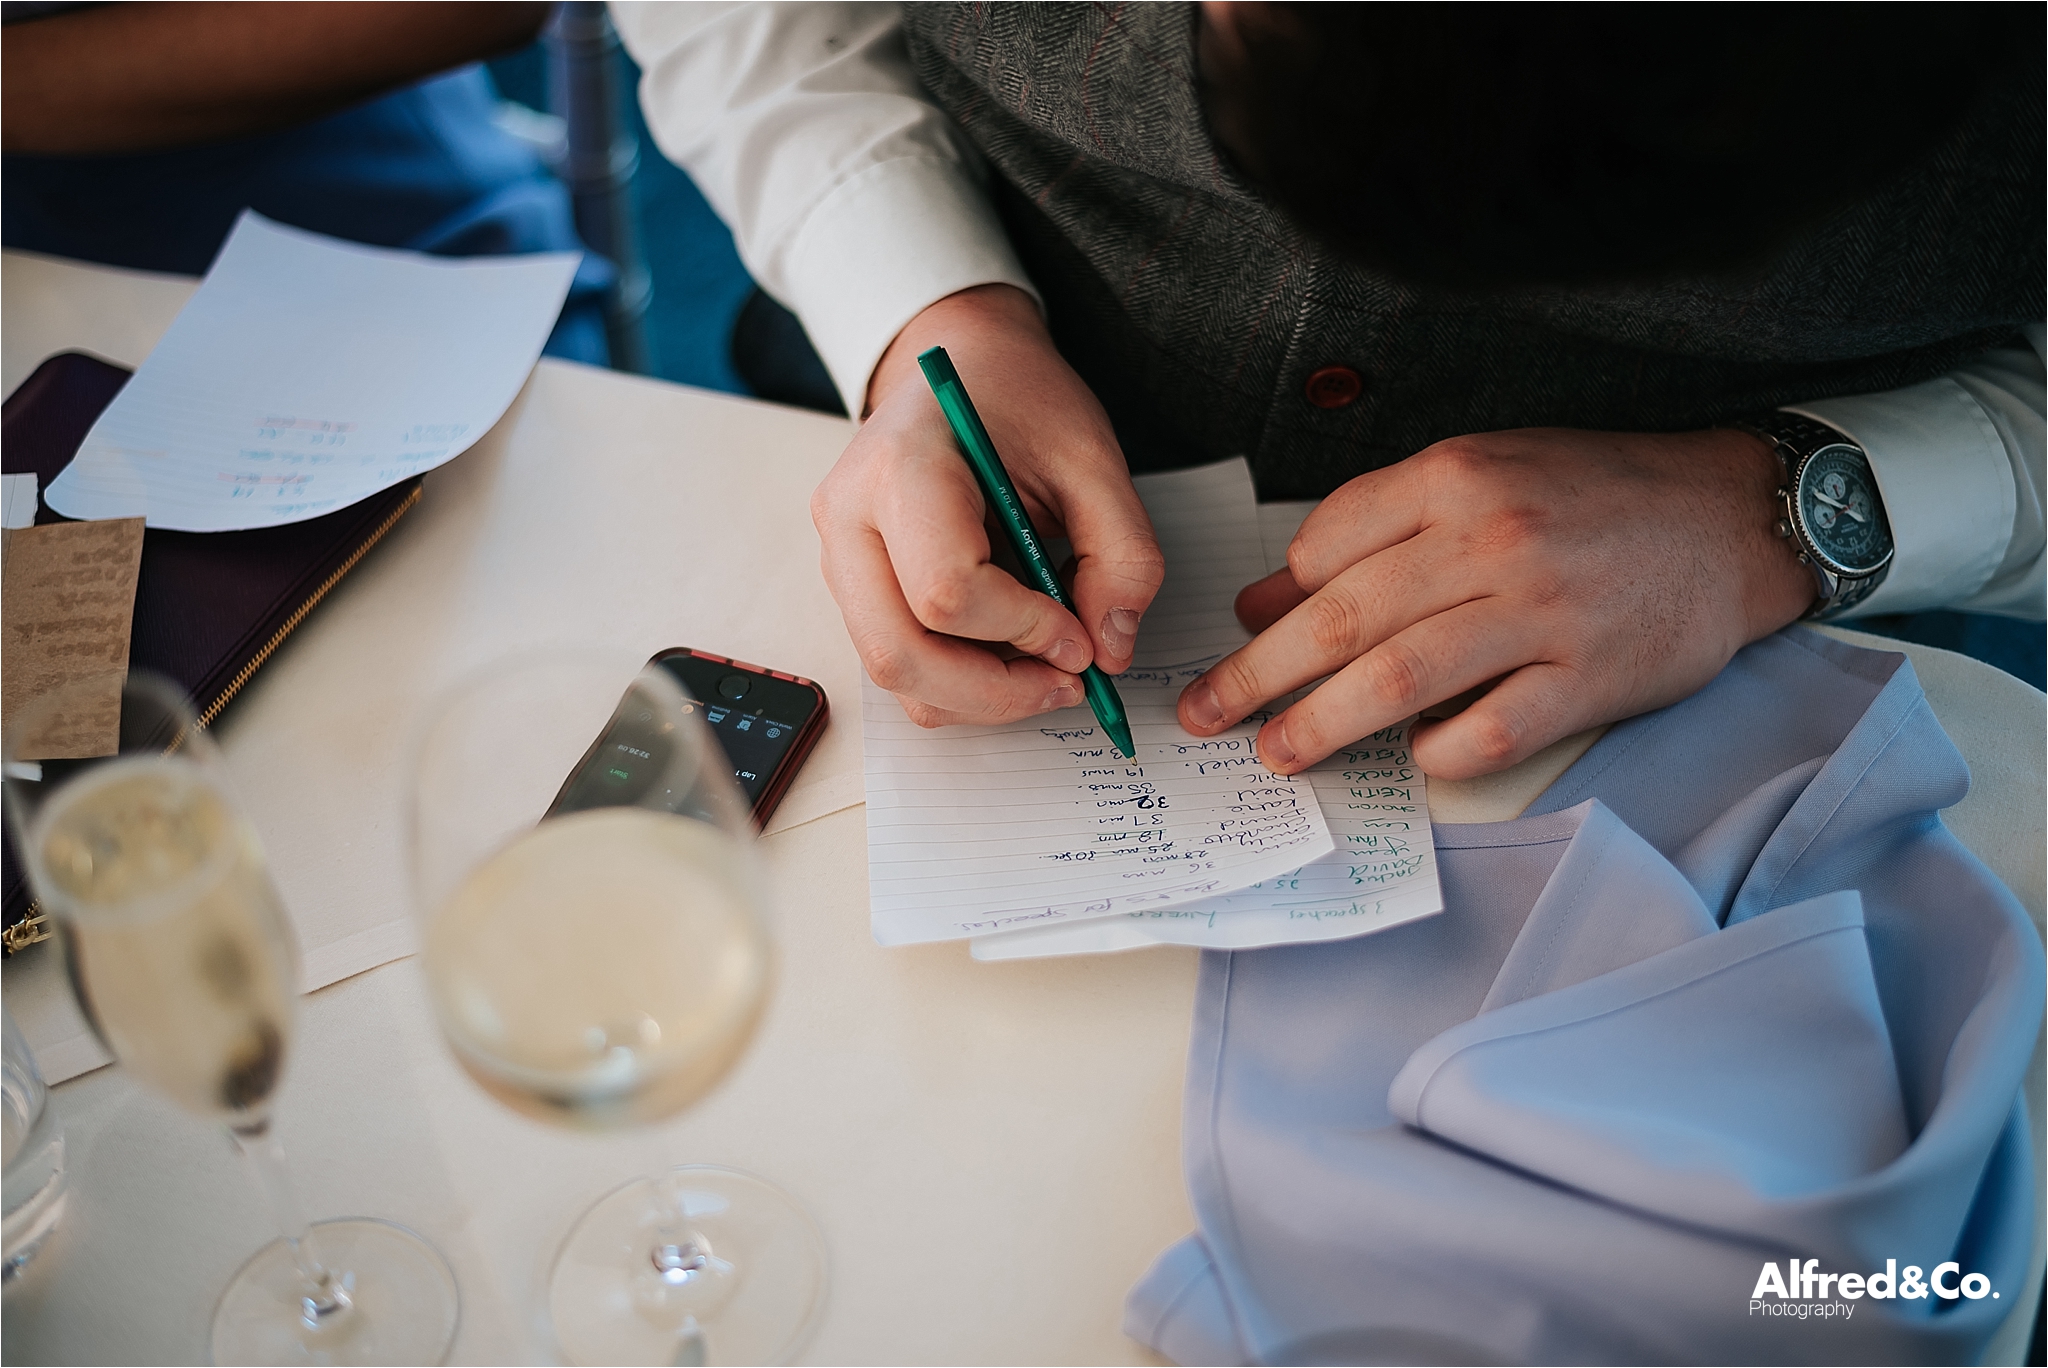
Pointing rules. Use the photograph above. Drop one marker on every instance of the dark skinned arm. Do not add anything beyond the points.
(145, 76)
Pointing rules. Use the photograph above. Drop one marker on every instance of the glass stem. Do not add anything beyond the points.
(323, 1294)
(682, 1259)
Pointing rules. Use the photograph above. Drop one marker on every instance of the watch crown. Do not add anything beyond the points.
(1783, 529)
(1803, 558)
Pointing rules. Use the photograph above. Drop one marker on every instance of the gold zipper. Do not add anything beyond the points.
(33, 927)
(299, 614)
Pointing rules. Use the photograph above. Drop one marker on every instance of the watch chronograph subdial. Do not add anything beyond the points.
(1839, 506)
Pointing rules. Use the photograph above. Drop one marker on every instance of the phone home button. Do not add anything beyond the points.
(734, 687)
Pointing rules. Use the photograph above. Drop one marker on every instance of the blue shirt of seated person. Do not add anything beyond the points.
(423, 168)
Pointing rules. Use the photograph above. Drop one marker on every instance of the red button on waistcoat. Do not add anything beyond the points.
(1333, 387)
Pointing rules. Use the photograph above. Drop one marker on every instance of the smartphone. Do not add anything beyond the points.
(767, 722)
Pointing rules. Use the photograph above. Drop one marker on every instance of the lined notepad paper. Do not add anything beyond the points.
(973, 830)
(1381, 873)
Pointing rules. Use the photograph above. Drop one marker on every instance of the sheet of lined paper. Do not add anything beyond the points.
(973, 830)
(1381, 873)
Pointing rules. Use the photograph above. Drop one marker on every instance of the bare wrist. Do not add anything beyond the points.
(953, 322)
(1777, 588)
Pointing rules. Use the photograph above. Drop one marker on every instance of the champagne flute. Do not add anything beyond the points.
(182, 957)
(595, 946)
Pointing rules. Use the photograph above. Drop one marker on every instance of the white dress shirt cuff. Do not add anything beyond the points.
(901, 235)
(1947, 485)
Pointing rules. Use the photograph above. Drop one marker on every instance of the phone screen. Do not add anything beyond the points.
(756, 717)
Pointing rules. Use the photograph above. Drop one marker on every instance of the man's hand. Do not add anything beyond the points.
(1593, 575)
(906, 550)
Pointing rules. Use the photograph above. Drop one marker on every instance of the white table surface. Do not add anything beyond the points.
(992, 1150)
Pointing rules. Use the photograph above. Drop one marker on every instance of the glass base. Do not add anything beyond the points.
(405, 1304)
(35, 1197)
(699, 1265)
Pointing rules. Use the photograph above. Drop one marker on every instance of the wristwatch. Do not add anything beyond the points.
(1829, 508)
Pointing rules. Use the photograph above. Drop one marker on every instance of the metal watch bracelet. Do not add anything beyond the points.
(1793, 439)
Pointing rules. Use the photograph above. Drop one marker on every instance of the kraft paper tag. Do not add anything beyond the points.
(67, 601)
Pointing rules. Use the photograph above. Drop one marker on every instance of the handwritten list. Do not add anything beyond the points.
(977, 830)
(1381, 872)
(308, 373)
(67, 603)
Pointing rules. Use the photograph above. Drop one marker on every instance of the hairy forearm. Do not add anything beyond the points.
(144, 76)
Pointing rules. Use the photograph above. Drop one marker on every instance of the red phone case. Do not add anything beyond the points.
(800, 748)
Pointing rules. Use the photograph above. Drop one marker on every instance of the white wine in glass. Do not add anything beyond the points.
(182, 956)
(596, 948)
(632, 1017)
(177, 953)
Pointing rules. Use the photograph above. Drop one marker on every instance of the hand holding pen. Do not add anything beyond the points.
(1008, 507)
(906, 547)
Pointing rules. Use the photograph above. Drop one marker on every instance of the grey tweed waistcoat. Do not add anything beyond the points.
(1197, 310)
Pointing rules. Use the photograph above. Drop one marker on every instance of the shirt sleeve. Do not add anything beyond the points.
(852, 198)
(1959, 462)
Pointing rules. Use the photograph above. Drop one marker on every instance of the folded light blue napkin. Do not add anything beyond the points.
(1729, 996)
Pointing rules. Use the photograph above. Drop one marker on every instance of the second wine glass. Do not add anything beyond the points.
(595, 943)
(184, 960)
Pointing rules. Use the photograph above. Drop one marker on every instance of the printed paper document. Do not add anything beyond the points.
(307, 374)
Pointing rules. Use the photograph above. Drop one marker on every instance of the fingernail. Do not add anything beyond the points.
(1274, 750)
(1066, 654)
(1119, 630)
(1065, 696)
(1200, 702)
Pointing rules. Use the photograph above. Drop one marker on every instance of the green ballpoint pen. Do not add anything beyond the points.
(1002, 495)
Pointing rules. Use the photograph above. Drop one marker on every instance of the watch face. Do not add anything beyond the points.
(1842, 514)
